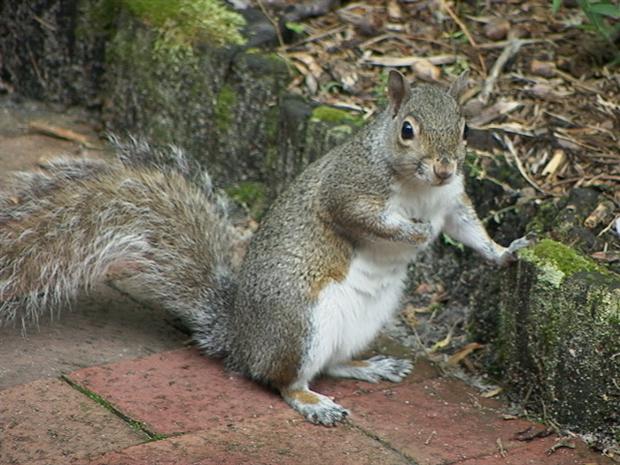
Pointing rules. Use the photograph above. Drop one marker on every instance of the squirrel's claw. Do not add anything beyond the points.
(510, 253)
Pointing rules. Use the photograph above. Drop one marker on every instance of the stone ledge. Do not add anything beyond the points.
(556, 318)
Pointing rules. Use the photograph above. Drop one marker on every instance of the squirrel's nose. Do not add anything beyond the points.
(443, 171)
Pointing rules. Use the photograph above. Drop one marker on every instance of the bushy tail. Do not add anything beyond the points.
(148, 221)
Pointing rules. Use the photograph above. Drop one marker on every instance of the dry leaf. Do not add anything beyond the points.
(500, 108)
(394, 11)
(464, 352)
(424, 69)
(58, 132)
(445, 342)
(548, 90)
(607, 257)
(392, 61)
(543, 68)
(556, 162)
(492, 392)
(424, 288)
(497, 28)
(409, 316)
(309, 61)
(601, 213)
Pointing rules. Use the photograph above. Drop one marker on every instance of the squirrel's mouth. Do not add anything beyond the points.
(437, 182)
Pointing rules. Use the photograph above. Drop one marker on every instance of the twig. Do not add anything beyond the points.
(460, 23)
(465, 31)
(391, 61)
(430, 438)
(511, 148)
(497, 213)
(528, 394)
(602, 211)
(59, 133)
(35, 67)
(503, 43)
(605, 229)
(500, 446)
(273, 22)
(317, 36)
(564, 442)
(511, 49)
(379, 38)
(44, 23)
(576, 82)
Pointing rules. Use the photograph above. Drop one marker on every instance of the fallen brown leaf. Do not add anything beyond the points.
(59, 133)
(464, 352)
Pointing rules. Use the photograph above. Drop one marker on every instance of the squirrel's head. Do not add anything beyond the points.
(426, 130)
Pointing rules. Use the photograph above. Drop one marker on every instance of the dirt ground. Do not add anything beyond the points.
(541, 84)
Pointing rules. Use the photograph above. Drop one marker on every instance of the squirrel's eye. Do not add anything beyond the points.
(465, 132)
(406, 131)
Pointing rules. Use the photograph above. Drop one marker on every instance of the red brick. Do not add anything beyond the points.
(179, 391)
(535, 453)
(48, 421)
(419, 420)
(266, 440)
(102, 329)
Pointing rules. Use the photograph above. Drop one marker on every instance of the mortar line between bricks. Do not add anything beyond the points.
(383, 442)
(133, 424)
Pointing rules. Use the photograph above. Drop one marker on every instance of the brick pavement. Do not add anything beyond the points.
(177, 407)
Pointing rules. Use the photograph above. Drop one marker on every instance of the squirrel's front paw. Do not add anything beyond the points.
(510, 253)
(421, 231)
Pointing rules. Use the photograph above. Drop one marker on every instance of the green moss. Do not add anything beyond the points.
(252, 195)
(185, 22)
(133, 424)
(178, 25)
(545, 215)
(558, 261)
(335, 116)
(563, 257)
(272, 58)
(226, 100)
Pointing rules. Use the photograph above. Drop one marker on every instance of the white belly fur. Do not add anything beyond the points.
(349, 314)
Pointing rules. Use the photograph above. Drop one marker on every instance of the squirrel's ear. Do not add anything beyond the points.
(398, 90)
(459, 86)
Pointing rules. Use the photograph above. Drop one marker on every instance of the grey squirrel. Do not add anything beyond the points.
(323, 273)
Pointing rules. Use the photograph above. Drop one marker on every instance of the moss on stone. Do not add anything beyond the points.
(178, 25)
(545, 215)
(557, 334)
(558, 261)
(250, 194)
(182, 23)
(332, 115)
(224, 105)
(272, 58)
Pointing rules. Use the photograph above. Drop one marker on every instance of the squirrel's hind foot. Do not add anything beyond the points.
(316, 408)
(373, 370)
